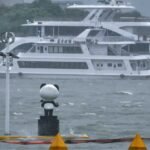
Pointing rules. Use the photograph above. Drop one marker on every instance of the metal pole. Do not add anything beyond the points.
(7, 110)
(7, 38)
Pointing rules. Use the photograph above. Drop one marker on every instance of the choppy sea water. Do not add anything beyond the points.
(99, 108)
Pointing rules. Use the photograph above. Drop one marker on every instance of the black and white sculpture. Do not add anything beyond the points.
(48, 124)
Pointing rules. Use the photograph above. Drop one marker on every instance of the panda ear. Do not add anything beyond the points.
(56, 86)
(43, 84)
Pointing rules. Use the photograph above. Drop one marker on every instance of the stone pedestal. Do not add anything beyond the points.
(48, 126)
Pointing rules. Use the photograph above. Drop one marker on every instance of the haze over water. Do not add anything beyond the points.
(99, 108)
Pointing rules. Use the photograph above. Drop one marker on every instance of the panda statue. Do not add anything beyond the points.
(48, 125)
(49, 93)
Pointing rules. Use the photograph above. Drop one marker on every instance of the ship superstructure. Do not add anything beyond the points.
(97, 45)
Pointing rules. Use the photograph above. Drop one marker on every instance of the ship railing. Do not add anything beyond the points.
(132, 19)
(60, 39)
(116, 38)
(143, 38)
(108, 39)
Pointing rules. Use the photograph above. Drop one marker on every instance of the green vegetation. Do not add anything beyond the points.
(12, 17)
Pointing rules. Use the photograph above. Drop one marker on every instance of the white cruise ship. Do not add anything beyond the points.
(97, 45)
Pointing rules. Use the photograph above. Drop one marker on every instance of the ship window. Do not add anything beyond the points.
(66, 50)
(109, 64)
(119, 65)
(139, 48)
(133, 65)
(50, 49)
(101, 65)
(71, 50)
(23, 48)
(52, 40)
(114, 65)
(52, 65)
(60, 50)
(33, 49)
(93, 33)
(56, 50)
(111, 33)
(97, 65)
(41, 49)
(53, 48)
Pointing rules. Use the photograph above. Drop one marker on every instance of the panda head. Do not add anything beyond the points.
(49, 92)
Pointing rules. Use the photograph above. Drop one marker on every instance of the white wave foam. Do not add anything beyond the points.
(125, 102)
(103, 107)
(124, 92)
(17, 114)
(131, 104)
(71, 104)
(83, 103)
(63, 104)
(89, 114)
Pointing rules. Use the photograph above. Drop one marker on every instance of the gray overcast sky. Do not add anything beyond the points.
(143, 6)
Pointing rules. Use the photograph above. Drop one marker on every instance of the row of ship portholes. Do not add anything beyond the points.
(109, 65)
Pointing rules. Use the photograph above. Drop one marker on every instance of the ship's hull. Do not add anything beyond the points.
(121, 67)
(69, 75)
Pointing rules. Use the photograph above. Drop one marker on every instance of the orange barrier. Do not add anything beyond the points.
(137, 143)
(71, 141)
(58, 143)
